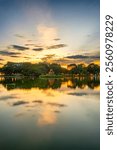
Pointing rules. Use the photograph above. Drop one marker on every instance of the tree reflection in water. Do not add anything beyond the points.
(28, 83)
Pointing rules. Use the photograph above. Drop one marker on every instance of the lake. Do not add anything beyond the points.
(49, 114)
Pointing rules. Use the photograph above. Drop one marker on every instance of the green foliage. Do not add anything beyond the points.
(42, 69)
(26, 69)
(56, 68)
(81, 69)
(93, 69)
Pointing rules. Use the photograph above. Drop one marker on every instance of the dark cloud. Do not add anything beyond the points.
(38, 101)
(57, 104)
(26, 57)
(82, 57)
(38, 49)
(1, 64)
(78, 94)
(29, 40)
(83, 94)
(93, 53)
(19, 36)
(57, 111)
(19, 103)
(14, 56)
(62, 61)
(4, 98)
(1, 59)
(67, 60)
(8, 53)
(48, 57)
(56, 46)
(57, 39)
(18, 47)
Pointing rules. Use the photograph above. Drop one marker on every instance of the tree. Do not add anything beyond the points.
(56, 68)
(93, 69)
(81, 69)
(29, 69)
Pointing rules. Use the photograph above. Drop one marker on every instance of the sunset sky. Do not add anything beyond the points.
(60, 31)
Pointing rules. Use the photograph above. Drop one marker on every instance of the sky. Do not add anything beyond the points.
(55, 31)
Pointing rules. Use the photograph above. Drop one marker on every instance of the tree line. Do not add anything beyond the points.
(29, 69)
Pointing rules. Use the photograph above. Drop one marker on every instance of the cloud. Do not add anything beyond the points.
(31, 44)
(38, 49)
(1, 64)
(7, 53)
(82, 94)
(14, 56)
(19, 103)
(57, 39)
(7, 97)
(47, 34)
(78, 94)
(56, 46)
(50, 55)
(18, 47)
(62, 61)
(38, 101)
(57, 111)
(1, 59)
(26, 57)
(56, 104)
(19, 36)
(29, 40)
(48, 58)
(76, 60)
(82, 57)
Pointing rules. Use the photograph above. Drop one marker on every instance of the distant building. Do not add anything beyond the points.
(51, 72)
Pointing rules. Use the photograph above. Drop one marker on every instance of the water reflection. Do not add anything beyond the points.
(47, 112)
(28, 83)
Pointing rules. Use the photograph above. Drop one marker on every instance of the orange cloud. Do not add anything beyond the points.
(47, 34)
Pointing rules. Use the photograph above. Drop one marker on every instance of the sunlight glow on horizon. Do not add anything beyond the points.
(41, 29)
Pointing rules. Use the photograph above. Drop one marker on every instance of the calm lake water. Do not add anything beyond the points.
(54, 114)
